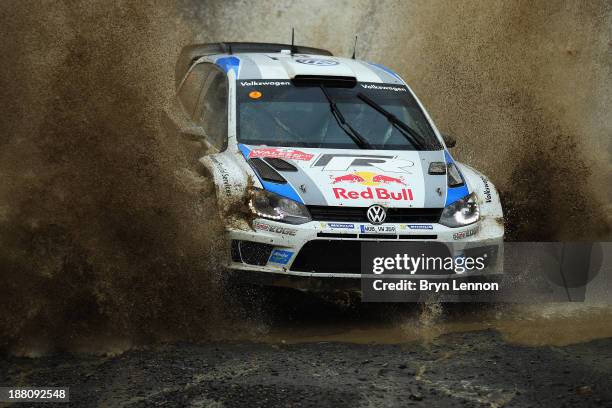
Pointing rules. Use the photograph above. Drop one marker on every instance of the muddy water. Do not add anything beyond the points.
(106, 234)
(106, 230)
(534, 325)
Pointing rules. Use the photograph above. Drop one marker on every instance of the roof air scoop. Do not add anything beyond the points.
(330, 81)
(193, 52)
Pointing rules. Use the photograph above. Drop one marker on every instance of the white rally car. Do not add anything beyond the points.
(323, 153)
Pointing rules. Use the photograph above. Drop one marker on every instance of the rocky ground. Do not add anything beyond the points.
(476, 368)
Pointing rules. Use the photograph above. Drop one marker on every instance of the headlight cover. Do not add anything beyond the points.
(274, 207)
(461, 213)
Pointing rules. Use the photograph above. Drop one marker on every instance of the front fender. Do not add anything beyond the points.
(230, 179)
(488, 198)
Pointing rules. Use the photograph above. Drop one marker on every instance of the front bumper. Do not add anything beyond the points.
(324, 255)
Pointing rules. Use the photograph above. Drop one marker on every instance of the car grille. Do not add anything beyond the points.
(329, 256)
(358, 214)
(252, 253)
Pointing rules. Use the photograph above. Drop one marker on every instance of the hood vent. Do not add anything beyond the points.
(265, 172)
(437, 168)
(280, 164)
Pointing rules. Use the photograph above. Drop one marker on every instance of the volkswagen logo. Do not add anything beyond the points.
(315, 61)
(376, 214)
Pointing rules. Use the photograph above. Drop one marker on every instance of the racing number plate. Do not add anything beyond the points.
(377, 229)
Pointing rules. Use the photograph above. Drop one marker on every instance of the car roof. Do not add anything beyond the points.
(284, 65)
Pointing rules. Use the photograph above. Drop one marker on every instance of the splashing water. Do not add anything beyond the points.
(105, 228)
(106, 232)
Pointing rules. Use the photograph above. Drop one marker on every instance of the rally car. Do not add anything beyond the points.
(324, 153)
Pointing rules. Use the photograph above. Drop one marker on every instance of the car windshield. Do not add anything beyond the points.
(277, 113)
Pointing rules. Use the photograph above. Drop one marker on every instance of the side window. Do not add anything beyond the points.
(213, 109)
(192, 86)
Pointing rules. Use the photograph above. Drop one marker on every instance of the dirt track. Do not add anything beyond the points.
(460, 369)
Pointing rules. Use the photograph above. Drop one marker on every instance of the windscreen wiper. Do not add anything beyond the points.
(410, 134)
(344, 125)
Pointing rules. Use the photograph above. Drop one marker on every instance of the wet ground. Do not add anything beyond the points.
(459, 369)
(428, 355)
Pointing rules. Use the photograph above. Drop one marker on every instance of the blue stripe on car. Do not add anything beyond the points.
(455, 193)
(285, 190)
(245, 150)
(386, 70)
(229, 63)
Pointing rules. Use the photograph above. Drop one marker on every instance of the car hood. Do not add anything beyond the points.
(356, 178)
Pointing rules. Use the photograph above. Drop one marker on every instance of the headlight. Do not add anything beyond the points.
(461, 213)
(274, 207)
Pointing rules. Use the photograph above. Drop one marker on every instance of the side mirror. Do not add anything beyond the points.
(177, 124)
(449, 140)
(192, 132)
(176, 121)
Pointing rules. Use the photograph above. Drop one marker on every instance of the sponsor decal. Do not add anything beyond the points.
(255, 94)
(377, 229)
(274, 228)
(367, 178)
(342, 162)
(264, 83)
(348, 178)
(487, 189)
(384, 87)
(336, 225)
(280, 153)
(317, 62)
(224, 176)
(465, 234)
(417, 226)
(360, 177)
(405, 194)
(280, 256)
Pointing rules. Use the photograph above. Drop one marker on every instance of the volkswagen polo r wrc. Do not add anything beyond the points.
(325, 153)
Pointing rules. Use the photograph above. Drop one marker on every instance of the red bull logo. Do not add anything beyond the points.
(382, 179)
(371, 180)
(348, 178)
(367, 178)
(405, 194)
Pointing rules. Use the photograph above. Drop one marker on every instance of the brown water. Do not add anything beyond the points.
(107, 236)
(534, 325)
(106, 229)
